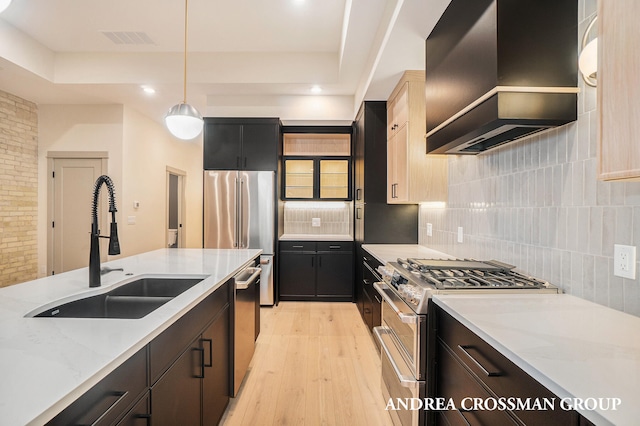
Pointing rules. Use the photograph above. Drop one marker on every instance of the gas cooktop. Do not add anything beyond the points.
(416, 280)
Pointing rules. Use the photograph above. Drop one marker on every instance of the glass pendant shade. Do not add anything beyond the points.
(4, 4)
(184, 121)
(588, 62)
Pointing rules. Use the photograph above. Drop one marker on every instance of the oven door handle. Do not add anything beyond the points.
(405, 381)
(405, 318)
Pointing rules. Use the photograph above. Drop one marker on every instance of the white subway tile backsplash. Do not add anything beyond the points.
(334, 221)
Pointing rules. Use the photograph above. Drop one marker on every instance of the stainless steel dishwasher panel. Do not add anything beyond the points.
(247, 296)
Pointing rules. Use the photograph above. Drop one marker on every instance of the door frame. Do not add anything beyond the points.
(182, 227)
(60, 155)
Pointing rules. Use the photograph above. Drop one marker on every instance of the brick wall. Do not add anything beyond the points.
(18, 189)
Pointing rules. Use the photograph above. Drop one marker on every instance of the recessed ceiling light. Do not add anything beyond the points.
(316, 89)
(149, 90)
(4, 4)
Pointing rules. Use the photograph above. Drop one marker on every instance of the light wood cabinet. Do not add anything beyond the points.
(412, 175)
(618, 90)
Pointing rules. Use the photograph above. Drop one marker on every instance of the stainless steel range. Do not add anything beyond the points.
(408, 285)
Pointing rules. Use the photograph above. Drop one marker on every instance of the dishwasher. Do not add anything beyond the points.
(246, 322)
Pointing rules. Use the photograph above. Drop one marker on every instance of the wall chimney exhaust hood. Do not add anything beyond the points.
(500, 70)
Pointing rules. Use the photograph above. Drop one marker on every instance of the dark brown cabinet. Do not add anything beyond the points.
(108, 401)
(241, 143)
(320, 271)
(467, 366)
(201, 373)
(376, 222)
(180, 377)
(369, 301)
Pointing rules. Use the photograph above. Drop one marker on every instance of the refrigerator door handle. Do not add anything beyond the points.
(237, 228)
(241, 236)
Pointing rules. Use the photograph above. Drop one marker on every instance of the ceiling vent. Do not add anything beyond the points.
(128, 37)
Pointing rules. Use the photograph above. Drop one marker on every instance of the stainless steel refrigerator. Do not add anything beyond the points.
(239, 213)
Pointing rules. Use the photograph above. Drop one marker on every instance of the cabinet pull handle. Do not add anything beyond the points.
(358, 194)
(465, 348)
(210, 342)
(358, 215)
(144, 416)
(375, 296)
(121, 395)
(365, 281)
(201, 350)
(298, 246)
(335, 247)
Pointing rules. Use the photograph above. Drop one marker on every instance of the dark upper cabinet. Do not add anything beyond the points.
(385, 223)
(241, 143)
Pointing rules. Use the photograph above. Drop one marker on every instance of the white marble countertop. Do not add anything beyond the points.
(575, 348)
(47, 363)
(315, 237)
(391, 252)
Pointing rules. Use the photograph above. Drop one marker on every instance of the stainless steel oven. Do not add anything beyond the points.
(403, 355)
(407, 286)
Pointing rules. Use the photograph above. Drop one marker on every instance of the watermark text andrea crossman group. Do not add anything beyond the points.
(503, 404)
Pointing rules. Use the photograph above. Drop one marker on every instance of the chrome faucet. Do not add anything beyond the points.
(114, 244)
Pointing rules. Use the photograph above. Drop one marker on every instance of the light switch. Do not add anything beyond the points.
(131, 220)
(315, 222)
(136, 204)
(429, 230)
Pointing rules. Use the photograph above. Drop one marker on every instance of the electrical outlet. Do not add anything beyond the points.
(624, 261)
(429, 230)
(460, 238)
(315, 222)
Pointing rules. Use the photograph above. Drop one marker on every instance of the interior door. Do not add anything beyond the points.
(70, 200)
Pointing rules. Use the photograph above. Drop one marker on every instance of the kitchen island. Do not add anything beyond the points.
(47, 363)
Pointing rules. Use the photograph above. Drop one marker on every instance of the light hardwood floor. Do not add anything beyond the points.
(315, 364)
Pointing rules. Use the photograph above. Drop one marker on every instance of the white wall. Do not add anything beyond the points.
(147, 151)
(139, 152)
(75, 128)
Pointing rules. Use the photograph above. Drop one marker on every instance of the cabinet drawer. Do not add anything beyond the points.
(107, 401)
(498, 373)
(139, 415)
(346, 246)
(298, 246)
(165, 348)
(455, 382)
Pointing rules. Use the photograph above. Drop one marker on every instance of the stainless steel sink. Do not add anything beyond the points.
(132, 300)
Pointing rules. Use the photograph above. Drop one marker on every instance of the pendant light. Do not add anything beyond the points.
(183, 120)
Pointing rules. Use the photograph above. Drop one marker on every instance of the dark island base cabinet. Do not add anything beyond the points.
(466, 366)
(316, 271)
(181, 377)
